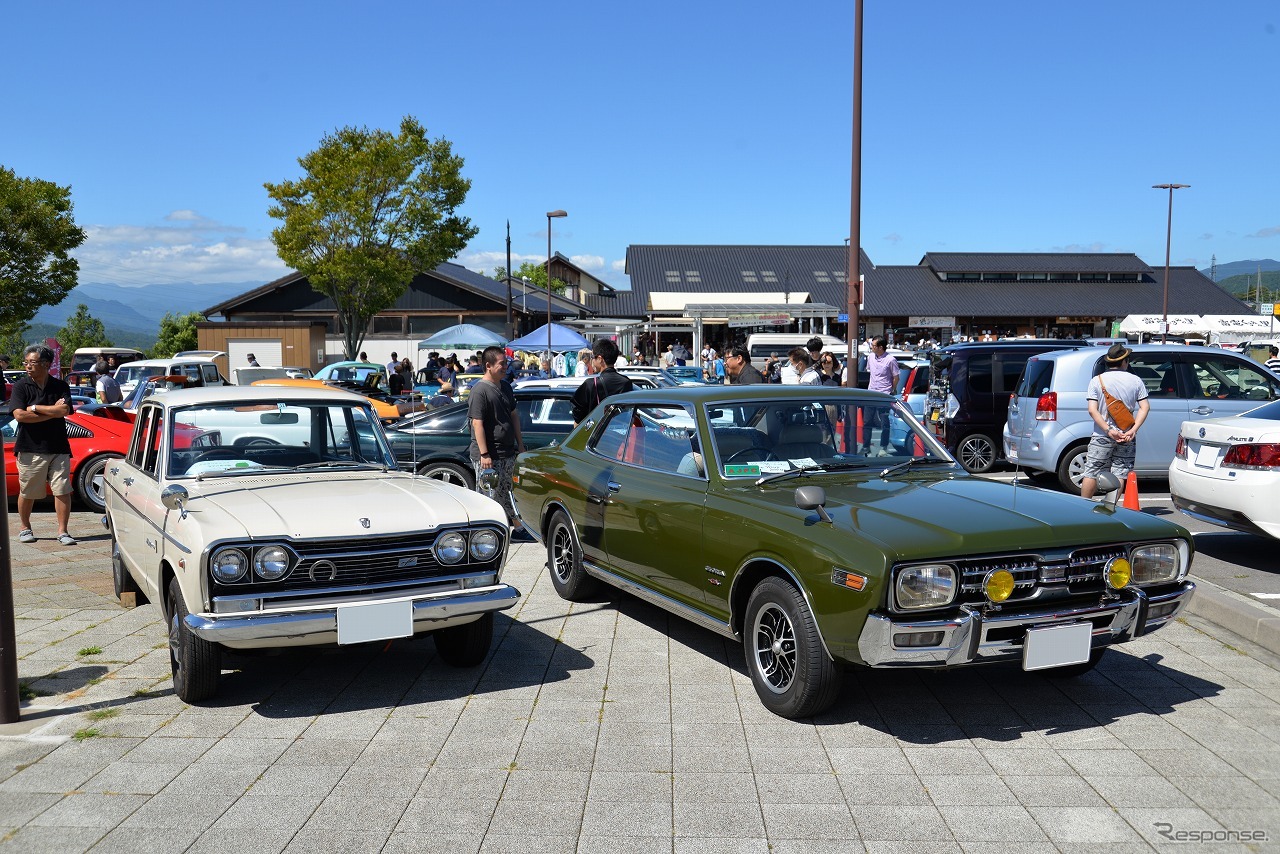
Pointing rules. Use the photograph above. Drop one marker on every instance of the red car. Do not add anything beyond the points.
(95, 440)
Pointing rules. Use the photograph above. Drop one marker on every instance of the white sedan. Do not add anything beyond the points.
(1226, 471)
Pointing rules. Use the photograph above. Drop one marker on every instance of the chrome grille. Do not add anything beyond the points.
(1071, 571)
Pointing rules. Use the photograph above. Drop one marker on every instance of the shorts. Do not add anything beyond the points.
(1105, 452)
(35, 470)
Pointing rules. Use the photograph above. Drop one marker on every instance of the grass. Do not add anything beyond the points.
(90, 650)
(86, 733)
(27, 693)
(103, 714)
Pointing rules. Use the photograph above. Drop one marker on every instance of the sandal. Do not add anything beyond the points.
(26, 535)
(66, 539)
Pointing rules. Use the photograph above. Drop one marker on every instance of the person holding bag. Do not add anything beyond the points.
(1118, 406)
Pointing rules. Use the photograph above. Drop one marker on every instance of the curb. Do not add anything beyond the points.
(1236, 614)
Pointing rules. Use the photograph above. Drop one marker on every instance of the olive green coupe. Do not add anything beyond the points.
(824, 527)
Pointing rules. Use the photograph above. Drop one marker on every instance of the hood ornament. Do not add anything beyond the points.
(364, 523)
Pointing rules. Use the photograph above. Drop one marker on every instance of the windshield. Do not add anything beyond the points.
(258, 437)
(769, 437)
(348, 373)
(133, 373)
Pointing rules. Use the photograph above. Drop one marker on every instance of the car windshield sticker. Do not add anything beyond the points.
(774, 466)
(750, 470)
(804, 462)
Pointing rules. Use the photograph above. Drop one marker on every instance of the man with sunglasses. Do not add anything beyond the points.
(41, 402)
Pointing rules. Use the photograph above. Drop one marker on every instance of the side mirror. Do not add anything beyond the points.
(813, 498)
(1109, 486)
(174, 497)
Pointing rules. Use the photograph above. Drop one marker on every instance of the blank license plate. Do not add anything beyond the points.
(1207, 456)
(1055, 646)
(376, 621)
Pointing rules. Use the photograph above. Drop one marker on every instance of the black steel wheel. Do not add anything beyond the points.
(977, 452)
(564, 560)
(465, 645)
(196, 663)
(791, 672)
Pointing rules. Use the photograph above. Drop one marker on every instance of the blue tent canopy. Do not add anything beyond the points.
(464, 336)
(562, 338)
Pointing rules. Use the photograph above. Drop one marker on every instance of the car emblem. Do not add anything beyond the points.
(1201, 432)
(364, 523)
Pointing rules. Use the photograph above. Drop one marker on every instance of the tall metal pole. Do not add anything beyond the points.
(9, 704)
(855, 203)
(550, 215)
(1168, 241)
(511, 332)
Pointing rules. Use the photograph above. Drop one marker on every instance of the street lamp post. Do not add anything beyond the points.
(550, 216)
(1168, 239)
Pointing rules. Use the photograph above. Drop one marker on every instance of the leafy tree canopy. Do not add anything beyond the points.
(36, 234)
(81, 330)
(14, 338)
(372, 210)
(535, 273)
(177, 333)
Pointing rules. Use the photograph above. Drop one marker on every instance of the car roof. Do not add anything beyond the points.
(160, 363)
(240, 394)
(728, 393)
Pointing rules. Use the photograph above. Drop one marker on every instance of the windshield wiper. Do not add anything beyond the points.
(907, 464)
(805, 471)
(333, 464)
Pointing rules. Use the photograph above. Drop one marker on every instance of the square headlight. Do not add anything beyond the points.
(931, 585)
(1156, 564)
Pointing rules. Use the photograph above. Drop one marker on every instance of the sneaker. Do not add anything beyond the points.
(66, 539)
(26, 535)
(884, 452)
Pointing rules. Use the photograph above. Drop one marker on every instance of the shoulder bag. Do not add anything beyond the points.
(1117, 410)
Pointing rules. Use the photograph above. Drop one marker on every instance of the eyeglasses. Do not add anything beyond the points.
(31, 364)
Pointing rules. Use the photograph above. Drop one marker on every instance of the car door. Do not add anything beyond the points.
(135, 480)
(652, 498)
(1226, 384)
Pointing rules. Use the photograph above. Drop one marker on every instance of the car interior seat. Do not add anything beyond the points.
(797, 441)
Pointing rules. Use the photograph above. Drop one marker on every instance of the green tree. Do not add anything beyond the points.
(14, 338)
(177, 333)
(536, 274)
(36, 234)
(81, 330)
(372, 210)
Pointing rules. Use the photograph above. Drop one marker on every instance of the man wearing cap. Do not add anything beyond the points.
(1110, 446)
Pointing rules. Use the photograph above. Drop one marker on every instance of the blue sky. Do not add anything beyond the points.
(987, 126)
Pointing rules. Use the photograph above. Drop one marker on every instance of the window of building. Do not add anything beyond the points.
(388, 324)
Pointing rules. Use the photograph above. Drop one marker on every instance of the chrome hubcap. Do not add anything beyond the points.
(775, 648)
(448, 476)
(976, 453)
(561, 553)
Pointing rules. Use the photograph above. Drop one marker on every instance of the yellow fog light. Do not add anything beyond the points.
(999, 585)
(1118, 573)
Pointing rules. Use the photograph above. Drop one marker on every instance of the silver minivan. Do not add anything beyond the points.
(1048, 428)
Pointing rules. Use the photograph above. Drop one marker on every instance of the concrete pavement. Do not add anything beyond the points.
(610, 727)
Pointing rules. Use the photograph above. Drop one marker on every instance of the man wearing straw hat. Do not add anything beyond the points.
(1114, 445)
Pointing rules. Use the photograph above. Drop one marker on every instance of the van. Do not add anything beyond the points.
(86, 357)
(763, 344)
(199, 371)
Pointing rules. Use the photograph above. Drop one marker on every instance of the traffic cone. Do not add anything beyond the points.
(1131, 492)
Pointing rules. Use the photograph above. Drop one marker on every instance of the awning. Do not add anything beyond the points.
(1179, 324)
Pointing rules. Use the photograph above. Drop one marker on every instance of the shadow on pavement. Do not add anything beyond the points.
(1240, 548)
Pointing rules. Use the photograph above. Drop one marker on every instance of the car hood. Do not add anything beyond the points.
(356, 504)
(923, 516)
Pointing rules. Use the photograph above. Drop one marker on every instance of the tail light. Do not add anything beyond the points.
(1047, 407)
(1180, 449)
(1256, 457)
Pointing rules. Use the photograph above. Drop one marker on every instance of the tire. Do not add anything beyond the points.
(90, 482)
(1071, 469)
(977, 452)
(1071, 671)
(121, 581)
(466, 645)
(564, 560)
(196, 663)
(449, 473)
(791, 672)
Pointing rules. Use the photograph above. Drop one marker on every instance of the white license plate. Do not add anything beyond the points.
(1055, 646)
(375, 621)
(1207, 456)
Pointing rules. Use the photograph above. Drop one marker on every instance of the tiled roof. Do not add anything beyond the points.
(1034, 262)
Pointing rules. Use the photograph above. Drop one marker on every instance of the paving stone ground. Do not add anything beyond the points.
(610, 727)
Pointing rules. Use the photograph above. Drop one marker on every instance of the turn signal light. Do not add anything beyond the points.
(1260, 456)
(999, 585)
(1047, 407)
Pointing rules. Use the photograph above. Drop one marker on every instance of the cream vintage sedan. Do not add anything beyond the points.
(284, 522)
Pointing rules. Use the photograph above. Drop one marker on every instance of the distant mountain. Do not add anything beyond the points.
(1246, 286)
(140, 309)
(1238, 268)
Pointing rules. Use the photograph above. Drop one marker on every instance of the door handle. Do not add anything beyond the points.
(1202, 410)
(614, 486)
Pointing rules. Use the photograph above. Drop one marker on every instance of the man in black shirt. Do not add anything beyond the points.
(40, 404)
(603, 379)
(495, 436)
(737, 364)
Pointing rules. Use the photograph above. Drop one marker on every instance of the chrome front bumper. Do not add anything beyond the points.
(977, 637)
(307, 626)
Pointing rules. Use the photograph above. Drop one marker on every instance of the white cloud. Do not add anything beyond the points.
(895, 238)
(590, 263)
(482, 261)
(619, 266)
(1096, 246)
(1273, 231)
(1206, 236)
(193, 249)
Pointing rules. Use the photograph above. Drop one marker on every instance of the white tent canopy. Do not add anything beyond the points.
(1224, 328)
(1179, 324)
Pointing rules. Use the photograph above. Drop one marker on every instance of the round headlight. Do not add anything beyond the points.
(451, 547)
(1118, 573)
(927, 586)
(271, 563)
(484, 545)
(228, 565)
(999, 585)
